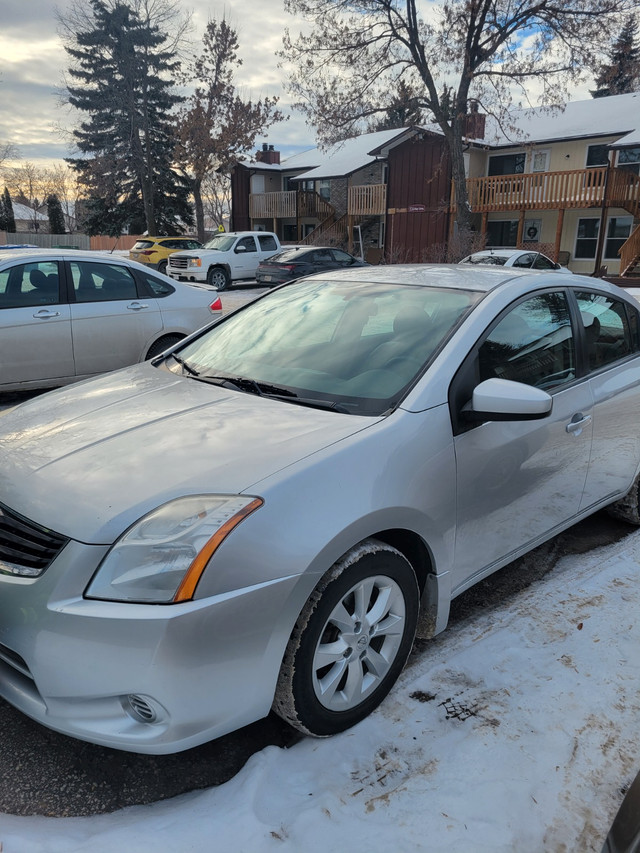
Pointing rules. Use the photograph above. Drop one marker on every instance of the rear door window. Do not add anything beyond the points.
(29, 285)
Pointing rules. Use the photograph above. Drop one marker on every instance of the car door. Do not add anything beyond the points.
(111, 326)
(247, 258)
(35, 324)
(613, 361)
(518, 480)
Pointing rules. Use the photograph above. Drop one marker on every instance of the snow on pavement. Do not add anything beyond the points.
(515, 730)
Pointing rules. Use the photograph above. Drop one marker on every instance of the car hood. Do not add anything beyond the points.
(89, 460)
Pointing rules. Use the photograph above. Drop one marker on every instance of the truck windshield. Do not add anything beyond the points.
(221, 243)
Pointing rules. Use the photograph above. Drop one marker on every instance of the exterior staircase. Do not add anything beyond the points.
(630, 255)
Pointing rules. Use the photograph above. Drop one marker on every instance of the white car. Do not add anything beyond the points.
(68, 315)
(519, 258)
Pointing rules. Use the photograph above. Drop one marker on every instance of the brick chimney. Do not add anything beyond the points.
(474, 122)
(268, 155)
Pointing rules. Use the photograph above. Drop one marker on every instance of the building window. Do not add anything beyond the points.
(257, 184)
(507, 164)
(618, 230)
(502, 233)
(597, 155)
(629, 160)
(587, 238)
(323, 188)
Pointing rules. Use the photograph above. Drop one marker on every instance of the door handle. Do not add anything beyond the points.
(578, 423)
(136, 306)
(44, 314)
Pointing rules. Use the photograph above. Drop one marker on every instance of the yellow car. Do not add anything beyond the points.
(154, 251)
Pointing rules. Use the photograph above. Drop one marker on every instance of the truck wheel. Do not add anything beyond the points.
(218, 277)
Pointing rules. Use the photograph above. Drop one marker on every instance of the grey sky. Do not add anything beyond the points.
(33, 61)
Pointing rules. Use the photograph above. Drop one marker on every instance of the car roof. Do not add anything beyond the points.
(460, 277)
(33, 255)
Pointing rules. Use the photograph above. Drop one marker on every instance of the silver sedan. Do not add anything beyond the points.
(268, 514)
(68, 315)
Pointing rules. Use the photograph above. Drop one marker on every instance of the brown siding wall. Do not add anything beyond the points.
(240, 199)
(419, 174)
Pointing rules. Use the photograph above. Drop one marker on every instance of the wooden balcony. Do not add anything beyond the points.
(288, 205)
(369, 200)
(272, 205)
(580, 188)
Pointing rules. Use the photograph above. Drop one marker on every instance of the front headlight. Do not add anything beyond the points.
(161, 558)
(195, 262)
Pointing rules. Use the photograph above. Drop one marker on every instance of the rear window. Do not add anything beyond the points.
(491, 260)
(289, 255)
(144, 244)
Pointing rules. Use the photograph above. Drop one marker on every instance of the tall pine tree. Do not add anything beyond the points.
(622, 74)
(55, 214)
(6, 211)
(124, 87)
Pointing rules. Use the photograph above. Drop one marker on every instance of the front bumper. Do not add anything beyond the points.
(187, 275)
(144, 678)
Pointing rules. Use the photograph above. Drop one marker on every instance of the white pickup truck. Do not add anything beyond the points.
(225, 258)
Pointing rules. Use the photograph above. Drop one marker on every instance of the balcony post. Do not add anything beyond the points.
(559, 226)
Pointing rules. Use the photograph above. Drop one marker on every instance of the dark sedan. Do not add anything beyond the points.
(298, 261)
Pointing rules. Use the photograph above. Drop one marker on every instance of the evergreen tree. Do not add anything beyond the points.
(55, 214)
(6, 208)
(622, 74)
(124, 88)
(403, 111)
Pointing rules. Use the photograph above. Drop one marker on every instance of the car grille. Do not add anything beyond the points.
(179, 263)
(26, 545)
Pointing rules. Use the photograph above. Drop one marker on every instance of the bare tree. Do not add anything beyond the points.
(217, 126)
(216, 196)
(351, 63)
(28, 185)
(8, 152)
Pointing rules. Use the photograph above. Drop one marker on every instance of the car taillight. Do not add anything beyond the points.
(288, 267)
(216, 305)
(147, 252)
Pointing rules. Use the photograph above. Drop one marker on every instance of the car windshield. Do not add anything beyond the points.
(221, 243)
(354, 346)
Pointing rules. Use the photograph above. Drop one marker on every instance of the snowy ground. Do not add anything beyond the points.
(514, 731)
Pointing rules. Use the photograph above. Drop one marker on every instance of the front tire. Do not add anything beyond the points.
(218, 277)
(350, 642)
(162, 267)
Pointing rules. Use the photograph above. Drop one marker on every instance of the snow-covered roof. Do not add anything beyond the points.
(21, 211)
(340, 159)
(612, 116)
(348, 156)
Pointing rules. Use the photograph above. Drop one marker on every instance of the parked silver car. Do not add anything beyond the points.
(267, 515)
(67, 315)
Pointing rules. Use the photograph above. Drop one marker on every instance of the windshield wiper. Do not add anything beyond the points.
(183, 364)
(273, 392)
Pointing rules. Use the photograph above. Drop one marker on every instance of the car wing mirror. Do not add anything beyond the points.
(239, 249)
(504, 400)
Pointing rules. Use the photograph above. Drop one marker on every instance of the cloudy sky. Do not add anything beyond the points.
(33, 62)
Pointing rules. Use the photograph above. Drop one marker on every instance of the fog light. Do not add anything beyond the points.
(140, 708)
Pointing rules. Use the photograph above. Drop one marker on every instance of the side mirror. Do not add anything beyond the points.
(504, 400)
(239, 249)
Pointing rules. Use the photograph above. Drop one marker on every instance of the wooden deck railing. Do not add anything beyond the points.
(369, 200)
(289, 204)
(538, 190)
(272, 205)
(579, 188)
(624, 191)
